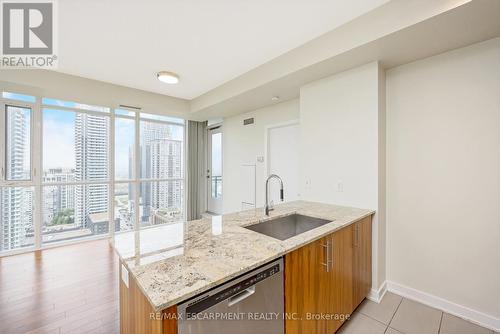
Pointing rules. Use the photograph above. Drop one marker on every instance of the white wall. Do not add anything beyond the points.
(243, 144)
(283, 159)
(69, 87)
(443, 176)
(339, 143)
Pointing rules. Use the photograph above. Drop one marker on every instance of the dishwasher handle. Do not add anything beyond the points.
(241, 296)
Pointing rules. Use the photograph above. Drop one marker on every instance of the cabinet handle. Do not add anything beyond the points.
(332, 253)
(326, 249)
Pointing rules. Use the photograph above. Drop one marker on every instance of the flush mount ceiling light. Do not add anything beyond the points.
(275, 98)
(168, 77)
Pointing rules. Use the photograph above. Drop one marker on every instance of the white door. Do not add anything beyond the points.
(283, 160)
(214, 170)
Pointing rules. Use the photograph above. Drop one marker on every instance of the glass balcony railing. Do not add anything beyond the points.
(216, 186)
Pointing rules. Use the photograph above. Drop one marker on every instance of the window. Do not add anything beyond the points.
(216, 163)
(124, 206)
(124, 112)
(73, 105)
(16, 218)
(18, 143)
(75, 202)
(162, 148)
(124, 201)
(77, 143)
(19, 97)
(17, 193)
(103, 171)
(161, 161)
(74, 211)
(59, 164)
(161, 202)
(162, 118)
(124, 148)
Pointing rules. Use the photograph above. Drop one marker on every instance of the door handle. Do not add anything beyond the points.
(241, 296)
(332, 250)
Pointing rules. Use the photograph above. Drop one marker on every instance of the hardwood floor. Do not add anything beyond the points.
(68, 289)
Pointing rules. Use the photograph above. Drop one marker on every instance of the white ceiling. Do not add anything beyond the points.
(207, 43)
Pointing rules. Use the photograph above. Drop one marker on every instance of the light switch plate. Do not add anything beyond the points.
(125, 275)
(340, 186)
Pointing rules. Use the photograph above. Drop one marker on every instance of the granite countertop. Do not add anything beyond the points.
(176, 261)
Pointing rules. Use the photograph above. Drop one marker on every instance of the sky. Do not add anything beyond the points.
(59, 140)
(124, 140)
(59, 136)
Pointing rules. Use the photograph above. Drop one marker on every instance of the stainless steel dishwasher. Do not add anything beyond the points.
(252, 303)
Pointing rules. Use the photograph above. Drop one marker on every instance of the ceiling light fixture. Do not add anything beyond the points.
(168, 77)
(275, 98)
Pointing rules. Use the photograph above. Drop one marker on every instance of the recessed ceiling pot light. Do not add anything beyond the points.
(168, 77)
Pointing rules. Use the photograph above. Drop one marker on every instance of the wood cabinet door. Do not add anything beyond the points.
(362, 274)
(308, 288)
(341, 277)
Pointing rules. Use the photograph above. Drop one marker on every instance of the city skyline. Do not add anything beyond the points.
(76, 149)
(16, 203)
(58, 132)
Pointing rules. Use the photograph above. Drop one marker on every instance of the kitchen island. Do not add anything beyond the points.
(164, 265)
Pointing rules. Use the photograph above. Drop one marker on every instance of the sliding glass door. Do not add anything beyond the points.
(214, 170)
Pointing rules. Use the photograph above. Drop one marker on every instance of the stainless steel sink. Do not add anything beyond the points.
(286, 227)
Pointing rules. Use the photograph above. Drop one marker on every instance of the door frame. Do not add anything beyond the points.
(208, 169)
(267, 141)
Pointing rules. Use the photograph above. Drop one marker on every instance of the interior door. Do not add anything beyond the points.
(283, 160)
(214, 170)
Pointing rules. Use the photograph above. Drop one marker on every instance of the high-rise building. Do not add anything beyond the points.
(161, 158)
(58, 197)
(166, 163)
(16, 202)
(91, 151)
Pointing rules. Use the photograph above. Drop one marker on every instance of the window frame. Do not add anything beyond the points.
(37, 170)
(32, 181)
(4, 104)
(138, 179)
(83, 183)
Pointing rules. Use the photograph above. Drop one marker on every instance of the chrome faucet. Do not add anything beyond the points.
(269, 208)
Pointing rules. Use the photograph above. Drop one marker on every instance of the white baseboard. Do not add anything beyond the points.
(439, 303)
(377, 295)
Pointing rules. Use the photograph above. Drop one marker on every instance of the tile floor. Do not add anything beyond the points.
(398, 315)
